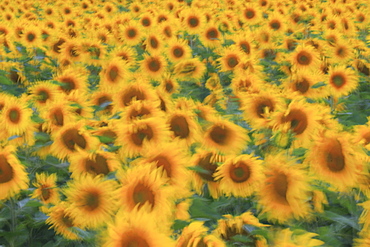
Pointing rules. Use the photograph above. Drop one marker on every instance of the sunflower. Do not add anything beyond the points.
(146, 21)
(31, 36)
(43, 92)
(138, 90)
(341, 80)
(62, 221)
(239, 176)
(13, 175)
(138, 135)
(136, 229)
(169, 84)
(153, 66)
(244, 82)
(172, 161)
(299, 117)
(125, 53)
(196, 234)
(70, 137)
(92, 200)
(141, 110)
(302, 83)
(81, 105)
(130, 34)
(362, 134)
(183, 126)
(244, 42)
(284, 193)
(143, 189)
(210, 36)
(205, 163)
(94, 163)
(231, 226)
(257, 107)
(193, 21)
(251, 14)
(102, 99)
(341, 52)
(225, 136)
(57, 114)
(16, 116)
(178, 50)
(305, 57)
(334, 159)
(230, 58)
(73, 78)
(153, 43)
(46, 188)
(190, 68)
(114, 73)
(71, 50)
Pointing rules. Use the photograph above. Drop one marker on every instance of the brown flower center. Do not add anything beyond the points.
(177, 51)
(46, 192)
(140, 135)
(113, 73)
(132, 94)
(91, 200)
(71, 138)
(338, 80)
(302, 86)
(298, 121)
(280, 185)
(208, 167)
(239, 172)
(162, 161)
(14, 115)
(142, 193)
(262, 105)
(97, 166)
(180, 127)
(219, 134)
(335, 160)
(6, 170)
(232, 61)
(57, 117)
(132, 239)
(304, 58)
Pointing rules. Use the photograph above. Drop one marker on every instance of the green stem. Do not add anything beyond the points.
(13, 223)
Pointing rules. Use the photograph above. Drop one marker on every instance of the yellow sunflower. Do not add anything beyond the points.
(71, 137)
(130, 34)
(239, 176)
(153, 66)
(92, 200)
(125, 53)
(305, 57)
(43, 92)
(341, 80)
(204, 165)
(224, 136)
(258, 107)
(114, 73)
(95, 163)
(245, 82)
(334, 159)
(288, 238)
(196, 234)
(153, 43)
(284, 193)
(183, 126)
(144, 189)
(190, 68)
(72, 78)
(169, 84)
(141, 110)
(46, 188)
(210, 36)
(230, 58)
(16, 116)
(251, 14)
(178, 50)
(192, 21)
(138, 135)
(13, 175)
(136, 229)
(62, 221)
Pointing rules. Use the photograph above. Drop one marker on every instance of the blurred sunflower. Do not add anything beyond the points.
(205, 163)
(257, 107)
(95, 163)
(92, 200)
(252, 14)
(239, 176)
(43, 92)
(13, 175)
(70, 137)
(130, 34)
(125, 53)
(288, 238)
(284, 194)
(153, 43)
(245, 82)
(169, 84)
(138, 135)
(72, 78)
(178, 50)
(342, 53)
(341, 80)
(210, 36)
(136, 229)
(183, 127)
(16, 116)
(190, 68)
(143, 189)
(196, 234)
(62, 221)
(305, 57)
(31, 36)
(46, 188)
(224, 136)
(141, 110)
(153, 66)
(230, 58)
(334, 159)
(193, 20)
(138, 90)
(114, 72)
(231, 226)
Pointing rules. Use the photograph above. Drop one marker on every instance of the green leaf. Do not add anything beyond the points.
(5, 81)
(352, 222)
(179, 225)
(242, 238)
(319, 84)
(199, 169)
(105, 139)
(37, 119)
(42, 136)
(201, 208)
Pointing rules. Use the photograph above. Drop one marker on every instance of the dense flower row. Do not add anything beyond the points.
(153, 105)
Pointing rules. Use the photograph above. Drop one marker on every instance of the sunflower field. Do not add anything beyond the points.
(185, 123)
